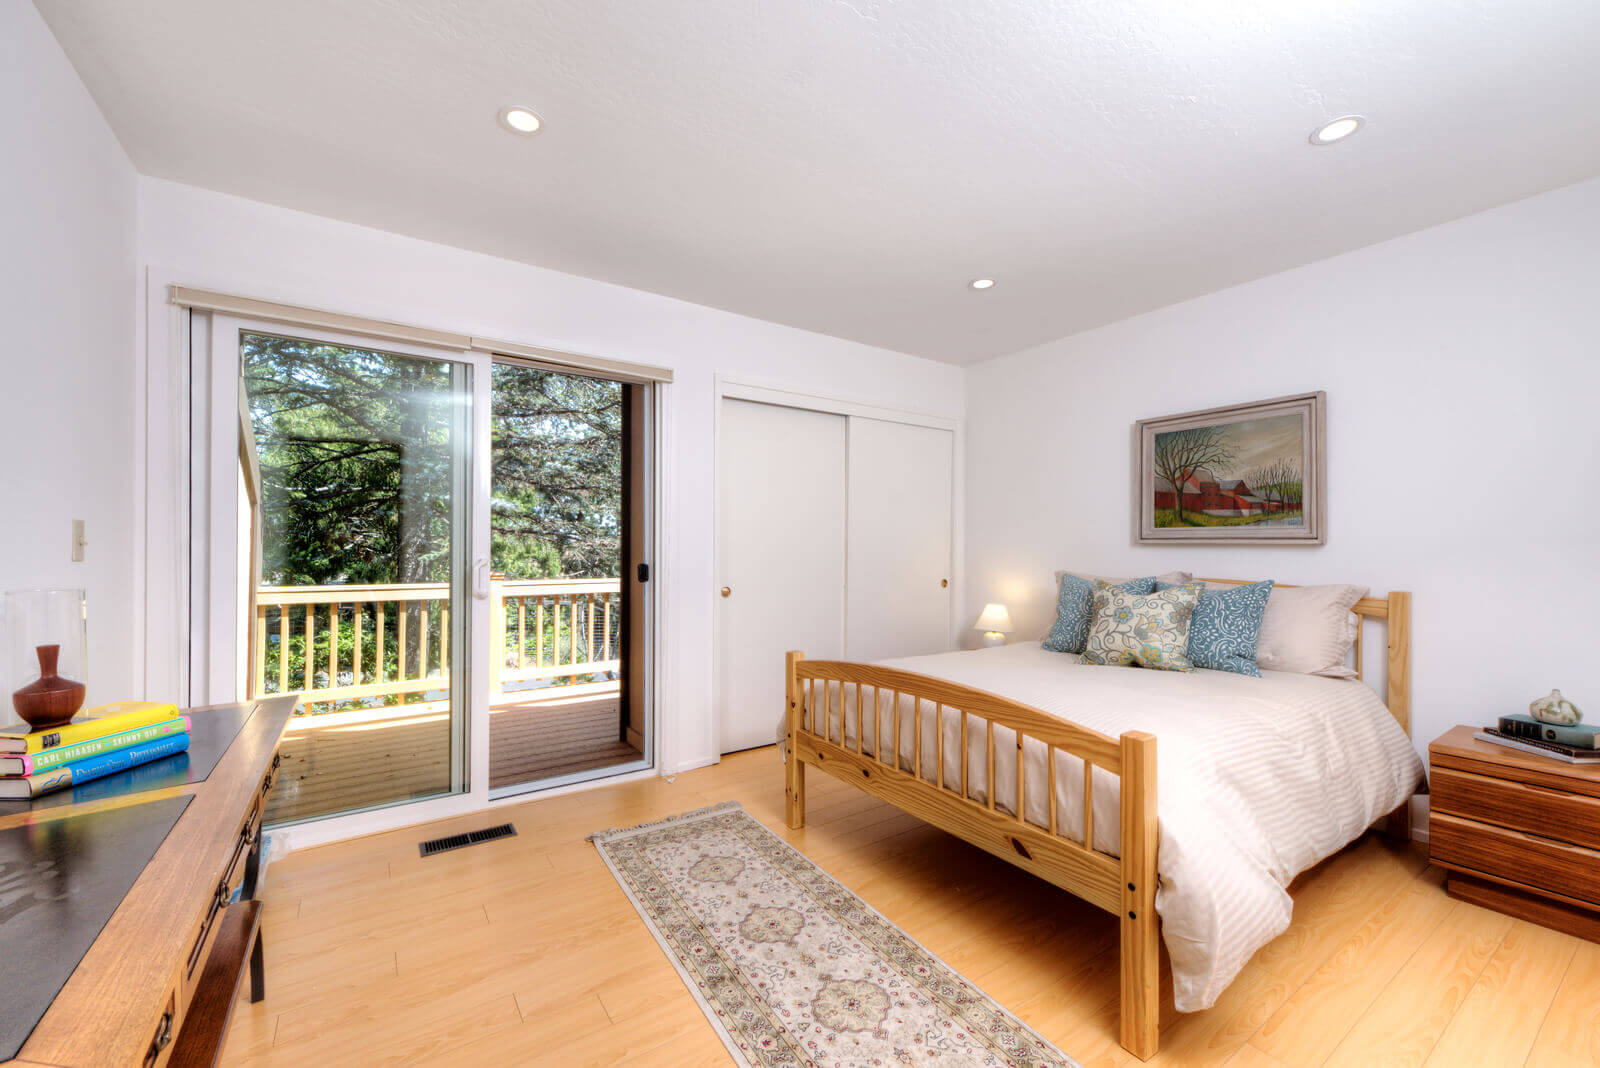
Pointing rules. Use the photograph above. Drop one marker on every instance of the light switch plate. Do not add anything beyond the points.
(78, 541)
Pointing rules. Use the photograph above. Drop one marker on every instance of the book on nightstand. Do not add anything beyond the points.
(1553, 750)
(1577, 735)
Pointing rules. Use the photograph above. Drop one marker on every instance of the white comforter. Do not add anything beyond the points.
(1259, 779)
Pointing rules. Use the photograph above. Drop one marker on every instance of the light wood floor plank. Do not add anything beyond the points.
(1400, 1028)
(1506, 1007)
(1571, 1031)
(1322, 1011)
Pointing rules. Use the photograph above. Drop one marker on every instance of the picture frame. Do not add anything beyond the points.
(1244, 474)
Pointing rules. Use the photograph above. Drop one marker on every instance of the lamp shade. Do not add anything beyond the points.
(994, 618)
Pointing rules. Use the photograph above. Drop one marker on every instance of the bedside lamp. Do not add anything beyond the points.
(995, 622)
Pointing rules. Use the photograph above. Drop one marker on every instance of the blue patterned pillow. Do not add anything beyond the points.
(1073, 604)
(1225, 627)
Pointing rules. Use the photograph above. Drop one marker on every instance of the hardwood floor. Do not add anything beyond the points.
(525, 951)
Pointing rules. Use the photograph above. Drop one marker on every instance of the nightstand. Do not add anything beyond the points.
(1518, 833)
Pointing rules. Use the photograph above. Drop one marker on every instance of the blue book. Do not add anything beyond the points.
(78, 772)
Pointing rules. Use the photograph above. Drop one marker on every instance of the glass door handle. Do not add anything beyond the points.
(480, 579)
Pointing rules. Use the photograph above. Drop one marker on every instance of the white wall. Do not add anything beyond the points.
(67, 223)
(238, 246)
(1463, 385)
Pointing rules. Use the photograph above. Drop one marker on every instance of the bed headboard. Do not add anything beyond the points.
(1395, 611)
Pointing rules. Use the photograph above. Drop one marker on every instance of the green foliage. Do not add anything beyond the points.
(558, 450)
(356, 460)
(356, 465)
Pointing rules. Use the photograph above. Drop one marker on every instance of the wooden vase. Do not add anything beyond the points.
(50, 700)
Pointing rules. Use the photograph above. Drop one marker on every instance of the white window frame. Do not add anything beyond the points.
(204, 556)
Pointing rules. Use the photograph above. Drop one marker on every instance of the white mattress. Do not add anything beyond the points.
(1258, 780)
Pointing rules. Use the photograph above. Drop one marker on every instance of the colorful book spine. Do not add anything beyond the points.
(96, 767)
(88, 725)
(31, 764)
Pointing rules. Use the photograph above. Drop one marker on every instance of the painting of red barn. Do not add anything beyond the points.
(1249, 473)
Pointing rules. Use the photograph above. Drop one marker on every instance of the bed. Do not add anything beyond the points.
(1262, 778)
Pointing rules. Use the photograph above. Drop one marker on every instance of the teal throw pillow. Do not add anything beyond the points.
(1074, 601)
(1226, 624)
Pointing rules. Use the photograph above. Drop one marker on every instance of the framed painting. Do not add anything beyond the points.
(1247, 474)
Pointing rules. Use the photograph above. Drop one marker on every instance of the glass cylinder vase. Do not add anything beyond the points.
(46, 655)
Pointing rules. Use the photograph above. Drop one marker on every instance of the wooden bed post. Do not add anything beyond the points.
(794, 776)
(1141, 945)
(1397, 693)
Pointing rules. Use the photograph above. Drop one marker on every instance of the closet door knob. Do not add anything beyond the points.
(727, 591)
(943, 583)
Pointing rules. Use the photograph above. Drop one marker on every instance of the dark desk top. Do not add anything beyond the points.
(107, 1009)
(63, 880)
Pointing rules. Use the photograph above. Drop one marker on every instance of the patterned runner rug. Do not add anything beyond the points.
(793, 969)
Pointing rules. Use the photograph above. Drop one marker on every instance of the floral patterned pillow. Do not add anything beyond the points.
(1150, 630)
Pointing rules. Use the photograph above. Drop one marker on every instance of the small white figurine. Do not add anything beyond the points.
(1556, 710)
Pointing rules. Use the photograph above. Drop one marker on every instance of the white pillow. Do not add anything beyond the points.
(1309, 630)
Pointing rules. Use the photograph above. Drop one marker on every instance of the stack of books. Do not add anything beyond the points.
(99, 742)
(1576, 744)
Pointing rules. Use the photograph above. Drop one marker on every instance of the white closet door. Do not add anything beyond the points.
(780, 548)
(899, 544)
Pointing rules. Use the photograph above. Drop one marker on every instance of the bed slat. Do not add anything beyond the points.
(991, 790)
(964, 794)
(1088, 805)
(916, 736)
(1050, 772)
(1022, 789)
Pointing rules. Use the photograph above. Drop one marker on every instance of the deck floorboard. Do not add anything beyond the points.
(342, 761)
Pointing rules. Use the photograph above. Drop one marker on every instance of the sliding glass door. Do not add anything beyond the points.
(443, 555)
(364, 458)
(568, 500)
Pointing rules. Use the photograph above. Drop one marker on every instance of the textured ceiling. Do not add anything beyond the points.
(847, 167)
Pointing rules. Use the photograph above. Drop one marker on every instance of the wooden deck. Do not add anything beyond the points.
(347, 760)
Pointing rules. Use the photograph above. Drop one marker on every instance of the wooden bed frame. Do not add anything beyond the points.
(1126, 885)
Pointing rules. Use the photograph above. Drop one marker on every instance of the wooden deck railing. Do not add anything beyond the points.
(344, 643)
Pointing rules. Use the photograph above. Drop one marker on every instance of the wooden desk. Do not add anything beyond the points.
(148, 991)
(1518, 833)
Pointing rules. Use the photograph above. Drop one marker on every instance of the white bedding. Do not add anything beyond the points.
(1259, 779)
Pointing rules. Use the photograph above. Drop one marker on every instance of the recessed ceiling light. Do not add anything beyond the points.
(1337, 129)
(982, 283)
(520, 120)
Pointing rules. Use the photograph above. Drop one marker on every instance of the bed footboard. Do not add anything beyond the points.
(818, 732)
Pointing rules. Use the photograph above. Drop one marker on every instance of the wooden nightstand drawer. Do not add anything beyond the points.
(1522, 858)
(1536, 809)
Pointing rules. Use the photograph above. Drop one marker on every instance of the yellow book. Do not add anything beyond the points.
(87, 725)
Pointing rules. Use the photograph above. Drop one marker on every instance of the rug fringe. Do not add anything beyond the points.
(682, 817)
